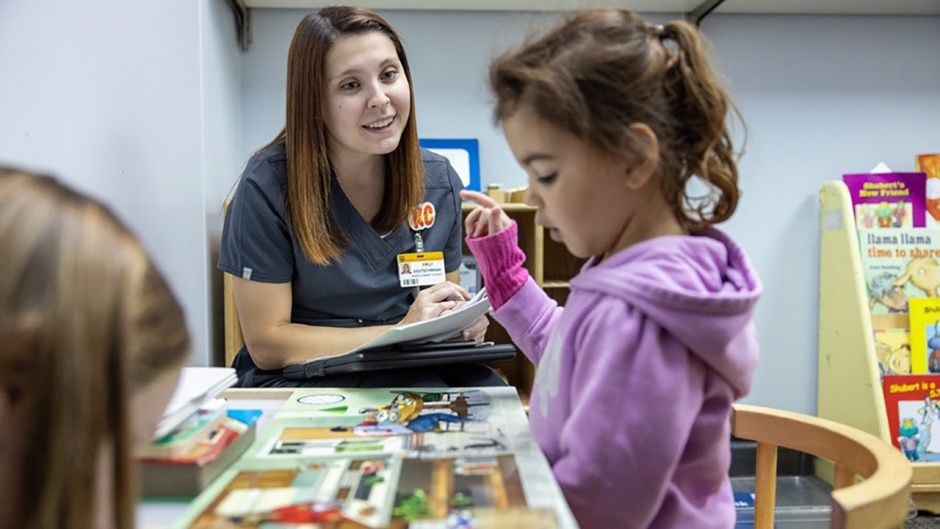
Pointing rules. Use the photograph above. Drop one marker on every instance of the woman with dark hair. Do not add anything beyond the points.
(323, 212)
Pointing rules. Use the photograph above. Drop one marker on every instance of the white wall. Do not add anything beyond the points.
(821, 95)
(220, 97)
(128, 101)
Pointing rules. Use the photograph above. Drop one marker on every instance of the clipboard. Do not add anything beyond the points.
(400, 356)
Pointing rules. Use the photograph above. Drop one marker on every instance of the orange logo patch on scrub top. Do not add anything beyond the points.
(422, 217)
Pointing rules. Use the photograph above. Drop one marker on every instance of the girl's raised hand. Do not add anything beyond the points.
(487, 218)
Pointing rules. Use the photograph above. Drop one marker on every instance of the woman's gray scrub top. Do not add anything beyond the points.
(362, 287)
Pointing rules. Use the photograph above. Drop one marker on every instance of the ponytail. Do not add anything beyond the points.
(702, 141)
(607, 69)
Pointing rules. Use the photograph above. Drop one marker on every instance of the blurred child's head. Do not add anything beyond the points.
(612, 117)
(92, 343)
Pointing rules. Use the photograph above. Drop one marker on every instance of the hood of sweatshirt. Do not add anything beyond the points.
(701, 289)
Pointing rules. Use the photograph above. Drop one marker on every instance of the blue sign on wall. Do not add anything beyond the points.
(464, 155)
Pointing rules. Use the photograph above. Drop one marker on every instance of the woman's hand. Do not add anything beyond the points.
(487, 218)
(434, 301)
(477, 331)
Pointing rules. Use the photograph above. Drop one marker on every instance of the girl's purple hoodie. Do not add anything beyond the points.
(636, 374)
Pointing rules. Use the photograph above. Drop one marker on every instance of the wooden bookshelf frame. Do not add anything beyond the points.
(849, 384)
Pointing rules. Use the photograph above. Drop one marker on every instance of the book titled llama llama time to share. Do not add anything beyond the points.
(899, 265)
(887, 200)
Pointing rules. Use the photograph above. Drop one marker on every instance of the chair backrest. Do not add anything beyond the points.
(233, 329)
(880, 501)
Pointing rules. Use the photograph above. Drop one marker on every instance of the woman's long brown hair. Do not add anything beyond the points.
(309, 172)
(85, 320)
(606, 69)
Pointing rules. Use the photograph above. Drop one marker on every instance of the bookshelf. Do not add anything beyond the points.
(849, 386)
(550, 265)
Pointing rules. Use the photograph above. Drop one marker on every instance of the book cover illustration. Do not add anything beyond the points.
(377, 492)
(925, 335)
(893, 351)
(305, 492)
(912, 405)
(887, 200)
(427, 423)
(206, 451)
(384, 458)
(929, 164)
(417, 424)
(195, 429)
(899, 265)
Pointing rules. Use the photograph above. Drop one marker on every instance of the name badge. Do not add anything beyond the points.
(420, 269)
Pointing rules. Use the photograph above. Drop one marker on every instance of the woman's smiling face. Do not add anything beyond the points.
(368, 98)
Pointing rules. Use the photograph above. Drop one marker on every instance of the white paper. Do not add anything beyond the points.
(436, 330)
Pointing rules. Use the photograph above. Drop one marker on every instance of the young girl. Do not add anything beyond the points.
(92, 344)
(611, 117)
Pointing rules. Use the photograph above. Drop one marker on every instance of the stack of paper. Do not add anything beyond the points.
(197, 386)
(436, 330)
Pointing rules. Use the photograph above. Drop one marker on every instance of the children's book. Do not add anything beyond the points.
(197, 428)
(188, 475)
(412, 423)
(893, 350)
(388, 457)
(899, 265)
(887, 200)
(929, 164)
(925, 335)
(912, 404)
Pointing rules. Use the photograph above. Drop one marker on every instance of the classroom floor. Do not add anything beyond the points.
(803, 503)
(802, 498)
(923, 521)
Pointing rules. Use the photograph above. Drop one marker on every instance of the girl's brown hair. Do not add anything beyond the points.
(606, 69)
(85, 320)
(309, 173)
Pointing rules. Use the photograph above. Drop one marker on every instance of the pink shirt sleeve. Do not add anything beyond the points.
(500, 261)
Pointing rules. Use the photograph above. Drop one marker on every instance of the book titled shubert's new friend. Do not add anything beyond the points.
(887, 200)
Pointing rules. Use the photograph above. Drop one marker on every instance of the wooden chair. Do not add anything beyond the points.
(881, 501)
(233, 329)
